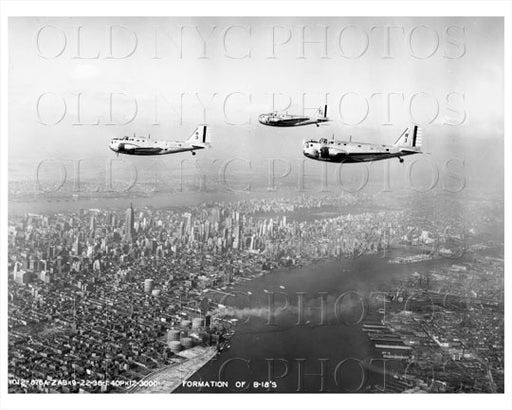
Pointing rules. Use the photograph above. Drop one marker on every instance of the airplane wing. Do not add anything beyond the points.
(123, 147)
(136, 150)
(337, 151)
(331, 152)
(304, 121)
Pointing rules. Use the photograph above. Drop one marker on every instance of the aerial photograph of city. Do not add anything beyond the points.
(255, 205)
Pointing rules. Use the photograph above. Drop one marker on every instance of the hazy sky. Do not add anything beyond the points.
(166, 75)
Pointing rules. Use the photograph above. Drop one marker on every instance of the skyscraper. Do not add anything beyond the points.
(92, 226)
(129, 224)
(148, 285)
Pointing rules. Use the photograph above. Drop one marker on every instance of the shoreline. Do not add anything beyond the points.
(169, 378)
(194, 364)
(307, 262)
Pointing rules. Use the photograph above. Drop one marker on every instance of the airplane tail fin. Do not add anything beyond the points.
(323, 112)
(410, 138)
(200, 137)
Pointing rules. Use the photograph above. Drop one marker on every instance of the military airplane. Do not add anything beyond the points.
(276, 119)
(409, 143)
(199, 139)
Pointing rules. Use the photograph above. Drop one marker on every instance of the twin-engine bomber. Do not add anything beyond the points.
(276, 119)
(199, 139)
(350, 152)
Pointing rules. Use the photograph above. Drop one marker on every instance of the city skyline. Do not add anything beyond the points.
(174, 256)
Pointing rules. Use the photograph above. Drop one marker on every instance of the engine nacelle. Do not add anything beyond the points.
(324, 152)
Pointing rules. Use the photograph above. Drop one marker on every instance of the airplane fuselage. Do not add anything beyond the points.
(142, 146)
(352, 152)
(274, 120)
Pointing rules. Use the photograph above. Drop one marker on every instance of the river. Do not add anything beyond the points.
(296, 350)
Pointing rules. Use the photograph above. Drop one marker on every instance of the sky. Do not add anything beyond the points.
(74, 83)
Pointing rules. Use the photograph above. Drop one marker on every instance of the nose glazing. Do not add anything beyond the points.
(114, 145)
(263, 118)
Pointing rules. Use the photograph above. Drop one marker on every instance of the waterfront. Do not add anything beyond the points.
(167, 379)
(258, 348)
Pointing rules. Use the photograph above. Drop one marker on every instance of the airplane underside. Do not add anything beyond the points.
(294, 122)
(289, 123)
(355, 158)
(141, 151)
(155, 151)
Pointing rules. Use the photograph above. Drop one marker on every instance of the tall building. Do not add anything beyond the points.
(129, 231)
(96, 265)
(17, 268)
(188, 225)
(92, 226)
(77, 249)
(148, 285)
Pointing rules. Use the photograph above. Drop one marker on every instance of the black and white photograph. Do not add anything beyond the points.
(211, 202)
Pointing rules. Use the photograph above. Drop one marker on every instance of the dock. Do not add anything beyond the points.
(170, 377)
